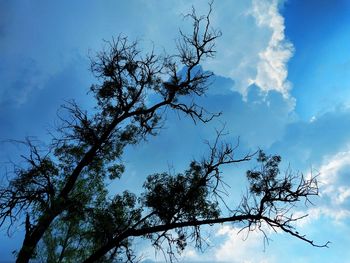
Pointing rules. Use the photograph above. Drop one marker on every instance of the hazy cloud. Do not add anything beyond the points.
(241, 246)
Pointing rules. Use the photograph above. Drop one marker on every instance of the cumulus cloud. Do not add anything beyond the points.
(332, 167)
(253, 48)
(334, 189)
(335, 186)
(272, 67)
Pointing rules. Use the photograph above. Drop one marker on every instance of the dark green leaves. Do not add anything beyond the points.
(180, 197)
(264, 177)
(116, 171)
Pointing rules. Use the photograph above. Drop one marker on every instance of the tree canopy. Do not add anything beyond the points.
(61, 194)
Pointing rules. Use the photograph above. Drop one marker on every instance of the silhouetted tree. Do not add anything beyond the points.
(61, 193)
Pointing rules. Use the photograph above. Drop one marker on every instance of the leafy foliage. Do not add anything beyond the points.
(184, 196)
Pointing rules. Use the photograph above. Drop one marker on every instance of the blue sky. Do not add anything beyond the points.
(282, 82)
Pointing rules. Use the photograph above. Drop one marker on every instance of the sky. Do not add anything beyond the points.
(281, 80)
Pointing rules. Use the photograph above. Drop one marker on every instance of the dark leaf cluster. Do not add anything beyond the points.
(182, 197)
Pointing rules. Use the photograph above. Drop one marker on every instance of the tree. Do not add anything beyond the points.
(61, 192)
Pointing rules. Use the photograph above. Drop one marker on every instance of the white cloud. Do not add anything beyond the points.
(272, 68)
(334, 191)
(232, 245)
(337, 215)
(329, 170)
(344, 193)
(239, 245)
(253, 48)
(334, 173)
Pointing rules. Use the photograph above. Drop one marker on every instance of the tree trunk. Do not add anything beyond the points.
(33, 237)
